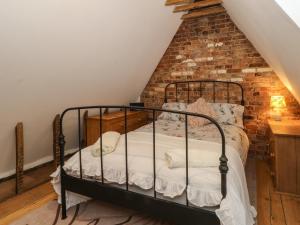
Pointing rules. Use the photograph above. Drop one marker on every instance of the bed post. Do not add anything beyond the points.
(63, 190)
(223, 162)
(223, 170)
(166, 98)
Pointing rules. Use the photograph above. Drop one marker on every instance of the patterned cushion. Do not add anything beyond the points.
(201, 107)
(229, 113)
(178, 106)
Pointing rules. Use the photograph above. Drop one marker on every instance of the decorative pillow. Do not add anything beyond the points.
(201, 107)
(229, 113)
(178, 106)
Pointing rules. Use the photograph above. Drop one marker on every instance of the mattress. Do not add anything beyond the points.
(204, 188)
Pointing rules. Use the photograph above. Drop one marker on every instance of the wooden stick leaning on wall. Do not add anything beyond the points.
(19, 157)
(56, 150)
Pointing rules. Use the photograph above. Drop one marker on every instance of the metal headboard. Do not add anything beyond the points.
(227, 84)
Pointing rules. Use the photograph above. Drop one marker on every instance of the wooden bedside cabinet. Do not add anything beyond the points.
(285, 155)
(114, 121)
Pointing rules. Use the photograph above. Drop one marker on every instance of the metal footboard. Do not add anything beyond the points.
(67, 181)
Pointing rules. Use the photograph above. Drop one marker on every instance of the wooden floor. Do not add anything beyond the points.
(273, 208)
(31, 179)
(15, 207)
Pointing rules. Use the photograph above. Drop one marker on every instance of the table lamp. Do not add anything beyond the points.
(277, 105)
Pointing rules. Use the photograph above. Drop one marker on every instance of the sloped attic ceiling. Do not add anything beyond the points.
(61, 53)
(275, 35)
(291, 8)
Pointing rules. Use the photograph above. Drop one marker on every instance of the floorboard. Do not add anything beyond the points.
(263, 194)
(25, 199)
(31, 179)
(274, 208)
(27, 209)
(291, 206)
(277, 216)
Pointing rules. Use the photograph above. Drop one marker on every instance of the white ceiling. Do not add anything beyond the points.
(275, 35)
(292, 8)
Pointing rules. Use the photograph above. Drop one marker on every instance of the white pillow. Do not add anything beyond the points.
(227, 113)
(178, 106)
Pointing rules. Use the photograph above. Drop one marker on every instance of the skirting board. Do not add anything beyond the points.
(34, 164)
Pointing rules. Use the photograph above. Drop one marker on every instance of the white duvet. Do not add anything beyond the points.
(204, 187)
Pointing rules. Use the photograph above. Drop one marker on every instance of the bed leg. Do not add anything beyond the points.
(63, 204)
(62, 156)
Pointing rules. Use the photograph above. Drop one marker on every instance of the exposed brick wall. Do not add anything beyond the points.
(214, 48)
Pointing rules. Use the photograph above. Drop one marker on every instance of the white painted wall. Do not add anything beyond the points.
(275, 35)
(60, 53)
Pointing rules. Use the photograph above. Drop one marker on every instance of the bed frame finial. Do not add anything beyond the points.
(223, 170)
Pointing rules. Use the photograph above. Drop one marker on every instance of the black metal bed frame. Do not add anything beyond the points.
(171, 211)
(201, 82)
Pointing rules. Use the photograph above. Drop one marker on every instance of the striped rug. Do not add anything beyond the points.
(90, 213)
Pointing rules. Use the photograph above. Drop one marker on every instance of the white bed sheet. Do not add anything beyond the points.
(204, 183)
(235, 136)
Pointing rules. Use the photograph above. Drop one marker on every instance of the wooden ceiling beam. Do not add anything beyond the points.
(177, 2)
(203, 12)
(197, 5)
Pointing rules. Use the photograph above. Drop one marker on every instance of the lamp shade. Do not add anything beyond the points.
(278, 102)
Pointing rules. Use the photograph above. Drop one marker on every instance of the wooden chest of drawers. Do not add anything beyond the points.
(285, 155)
(114, 121)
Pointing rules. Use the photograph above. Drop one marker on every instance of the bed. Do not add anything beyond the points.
(136, 174)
